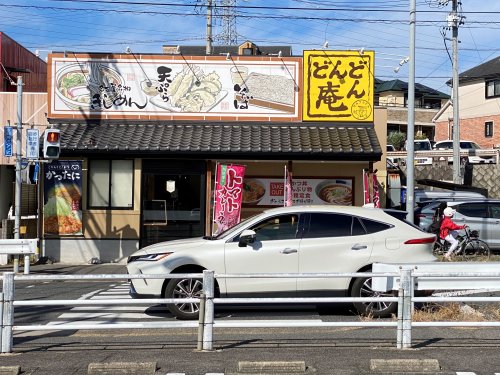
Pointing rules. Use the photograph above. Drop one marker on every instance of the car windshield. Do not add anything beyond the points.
(236, 228)
(469, 145)
(422, 146)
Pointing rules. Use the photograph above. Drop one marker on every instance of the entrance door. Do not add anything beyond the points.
(173, 200)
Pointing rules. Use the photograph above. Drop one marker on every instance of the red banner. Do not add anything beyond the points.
(228, 194)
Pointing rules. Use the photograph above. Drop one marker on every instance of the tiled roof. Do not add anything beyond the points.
(398, 85)
(487, 70)
(313, 141)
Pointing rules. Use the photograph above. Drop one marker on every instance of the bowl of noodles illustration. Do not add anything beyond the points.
(76, 84)
(334, 192)
(253, 191)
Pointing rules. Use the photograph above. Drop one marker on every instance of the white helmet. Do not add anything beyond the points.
(449, 212)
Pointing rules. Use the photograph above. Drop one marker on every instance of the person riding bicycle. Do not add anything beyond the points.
(449, 231)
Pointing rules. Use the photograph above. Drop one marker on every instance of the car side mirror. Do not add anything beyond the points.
(246, 237)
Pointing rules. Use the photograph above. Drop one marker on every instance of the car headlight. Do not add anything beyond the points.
(147, 257)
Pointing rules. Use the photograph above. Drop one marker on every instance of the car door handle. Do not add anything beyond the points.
(288, 251)
(359, 247)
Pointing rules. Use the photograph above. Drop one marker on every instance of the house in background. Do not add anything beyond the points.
(16, 60)
(394, 96)
(479, 107)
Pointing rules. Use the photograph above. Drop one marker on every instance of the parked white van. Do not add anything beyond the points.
(422, 145)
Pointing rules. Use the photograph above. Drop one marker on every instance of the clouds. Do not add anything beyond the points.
(381, 25)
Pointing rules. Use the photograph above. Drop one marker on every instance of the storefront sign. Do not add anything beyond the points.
(228, 195)
(7, 141)
(338, 85)
(269, 191)
(174, 87)
(32, 143)
(62, 211)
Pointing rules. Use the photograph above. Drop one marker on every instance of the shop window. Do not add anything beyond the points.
(488, 129)
(111, 184)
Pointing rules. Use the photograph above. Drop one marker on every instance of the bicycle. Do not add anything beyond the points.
(470, 247)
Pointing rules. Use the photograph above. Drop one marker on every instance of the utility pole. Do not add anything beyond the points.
(19, 155)
(209, 28)
(410, 142)
(454, 20)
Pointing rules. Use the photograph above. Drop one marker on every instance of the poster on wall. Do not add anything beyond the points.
(228, 196)
(62, 210)
(305, 191)
(338, 85)
(173, 87)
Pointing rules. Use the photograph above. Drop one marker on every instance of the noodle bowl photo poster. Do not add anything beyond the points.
(62, 213)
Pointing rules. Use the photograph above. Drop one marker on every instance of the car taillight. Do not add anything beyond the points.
(421, 240)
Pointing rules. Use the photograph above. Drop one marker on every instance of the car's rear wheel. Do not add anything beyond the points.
(184, 288)
(362, 287)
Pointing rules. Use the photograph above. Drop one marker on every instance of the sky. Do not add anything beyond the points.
(379, 25)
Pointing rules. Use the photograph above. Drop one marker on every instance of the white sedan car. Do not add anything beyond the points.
(298, 239)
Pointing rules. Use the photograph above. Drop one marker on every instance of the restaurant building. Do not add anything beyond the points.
(141, 136)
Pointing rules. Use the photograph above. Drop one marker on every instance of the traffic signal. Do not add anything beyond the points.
(51, 143)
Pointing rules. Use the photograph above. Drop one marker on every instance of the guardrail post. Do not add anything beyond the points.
(201, 321)
(401, 294)
(208, 290)
(8, 311)
(406, 310)
(1, 319)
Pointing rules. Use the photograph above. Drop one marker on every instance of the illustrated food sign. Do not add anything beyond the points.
(62, 210)
(170, 87)
(269, 191)
(338, 85)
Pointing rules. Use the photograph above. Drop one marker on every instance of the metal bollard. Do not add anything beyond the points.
(8, 311)
(26, 264)
(208, 290)
(201, 321)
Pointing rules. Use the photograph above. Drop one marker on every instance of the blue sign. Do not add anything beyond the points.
(35, 172)
(7, 141)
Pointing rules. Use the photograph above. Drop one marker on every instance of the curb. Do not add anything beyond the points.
(10, 370)
(405, 365)
(275, 367)
(135, 368)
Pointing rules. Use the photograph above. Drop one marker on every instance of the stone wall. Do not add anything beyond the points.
(486, 176)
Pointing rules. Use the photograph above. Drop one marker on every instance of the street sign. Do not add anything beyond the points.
(32, 143)
(7, 141)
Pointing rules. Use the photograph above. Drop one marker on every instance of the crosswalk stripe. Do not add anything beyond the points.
(103, 315)
(466, 373)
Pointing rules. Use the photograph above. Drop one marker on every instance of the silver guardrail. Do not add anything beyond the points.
(408, 277)
(437, 154)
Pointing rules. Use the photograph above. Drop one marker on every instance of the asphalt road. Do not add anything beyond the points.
(323, 350)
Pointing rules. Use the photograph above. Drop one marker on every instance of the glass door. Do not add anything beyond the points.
(173, 206)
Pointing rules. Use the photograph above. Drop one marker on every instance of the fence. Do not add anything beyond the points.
(407, 278)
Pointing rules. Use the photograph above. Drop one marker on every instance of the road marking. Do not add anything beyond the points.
(463, 292)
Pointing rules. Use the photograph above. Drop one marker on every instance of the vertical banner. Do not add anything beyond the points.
(288, 188)
(7, 141)
(62, 210)
(228, 195)
(376, 196)
(366, 188)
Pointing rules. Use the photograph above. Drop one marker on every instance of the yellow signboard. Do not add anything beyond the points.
(338, 85)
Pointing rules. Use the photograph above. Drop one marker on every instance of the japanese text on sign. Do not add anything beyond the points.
(338, 85)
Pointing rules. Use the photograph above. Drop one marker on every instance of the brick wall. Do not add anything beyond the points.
(472, 129)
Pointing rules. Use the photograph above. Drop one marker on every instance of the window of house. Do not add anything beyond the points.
(248, 51)
(488, 129)
(492, 89)
(111, 184)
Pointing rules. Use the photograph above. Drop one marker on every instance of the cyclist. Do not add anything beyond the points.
(448, 231)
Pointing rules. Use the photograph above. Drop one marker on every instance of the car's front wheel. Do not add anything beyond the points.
(362, 287)
(184, 288)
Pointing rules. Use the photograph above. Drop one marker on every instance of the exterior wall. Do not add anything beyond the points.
(474, 110)
(110, 235)
(392, 98)
(13, 55)
(34, 110)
